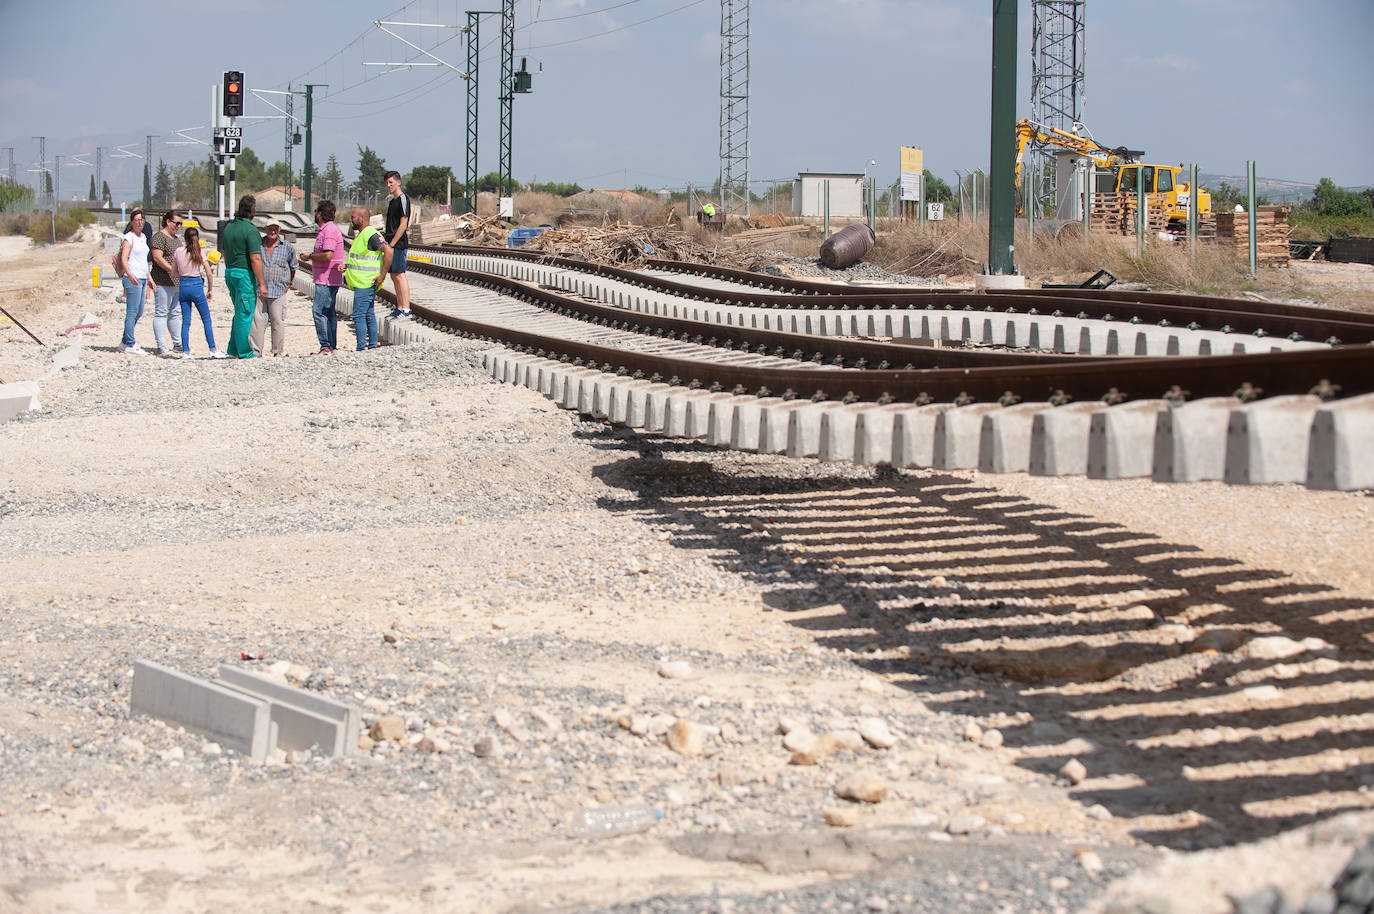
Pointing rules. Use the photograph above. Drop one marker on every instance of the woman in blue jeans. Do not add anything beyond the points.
(133, 271)
(197, 287)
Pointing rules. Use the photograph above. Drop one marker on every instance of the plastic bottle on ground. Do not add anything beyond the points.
(609, 821)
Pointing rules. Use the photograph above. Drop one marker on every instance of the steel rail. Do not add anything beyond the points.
(1350, 369)
(839, 351)
(1163, 309)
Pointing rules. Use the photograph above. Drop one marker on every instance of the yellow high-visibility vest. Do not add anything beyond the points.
(364, 266)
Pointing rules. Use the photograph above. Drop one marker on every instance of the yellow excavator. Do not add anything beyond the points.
(1119, 171)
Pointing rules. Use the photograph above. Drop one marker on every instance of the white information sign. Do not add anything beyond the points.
(911, 185)
(935, 212)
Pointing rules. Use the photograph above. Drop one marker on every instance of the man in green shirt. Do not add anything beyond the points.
(241, 247)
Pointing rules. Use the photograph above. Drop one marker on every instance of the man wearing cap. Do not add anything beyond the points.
(278, 271)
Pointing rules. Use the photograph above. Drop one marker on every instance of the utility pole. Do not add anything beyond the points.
(290, 135)
(507, 92)
(42, 169)
(1001, 201)
(308, 171)
(56, 192)
(148, 176)
(734, 106)
(470, 162)
(1058, 77)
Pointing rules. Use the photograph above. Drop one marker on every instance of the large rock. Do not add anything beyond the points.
(687, 738)
(384, 728)
(865, 788)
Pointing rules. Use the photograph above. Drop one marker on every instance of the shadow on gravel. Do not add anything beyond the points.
(1181, 680)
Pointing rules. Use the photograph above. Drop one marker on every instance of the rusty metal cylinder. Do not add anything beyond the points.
(846, 246)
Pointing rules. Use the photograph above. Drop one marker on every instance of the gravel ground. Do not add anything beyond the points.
(558, 616)
(862, 272)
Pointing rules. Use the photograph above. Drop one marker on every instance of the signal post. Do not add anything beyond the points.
(228, 137)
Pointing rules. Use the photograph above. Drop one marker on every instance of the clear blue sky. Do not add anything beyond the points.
(834, 84)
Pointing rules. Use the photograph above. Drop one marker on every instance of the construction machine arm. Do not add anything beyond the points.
(1028, 132)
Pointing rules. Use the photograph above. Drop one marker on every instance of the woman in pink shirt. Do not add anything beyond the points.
(327, 266)
(197, 287)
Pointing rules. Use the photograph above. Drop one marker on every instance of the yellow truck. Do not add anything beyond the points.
(1120, 170)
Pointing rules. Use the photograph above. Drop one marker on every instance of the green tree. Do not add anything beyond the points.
(937, 190)
(371, 168)
(279, 175)
(490, 183)
(1228, 196)
(331, 179)
(249, 174)
(91, 194)
(47, 182)
(557, 188)
(430, 182)
(147, 198)
(105, 191)
(18, 196)
(1331, 200)
(162, 185)
(193, 184)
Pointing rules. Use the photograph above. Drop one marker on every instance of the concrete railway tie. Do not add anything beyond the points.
(1213, 438)
(1059, 334)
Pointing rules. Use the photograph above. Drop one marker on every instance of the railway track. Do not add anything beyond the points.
(1109, 384)
(760, 370)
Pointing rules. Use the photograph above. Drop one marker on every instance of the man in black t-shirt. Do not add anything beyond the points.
(397, 221)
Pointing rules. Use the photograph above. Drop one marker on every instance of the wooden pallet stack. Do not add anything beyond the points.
(1115, 214)
(437, 232)
(1271, 230)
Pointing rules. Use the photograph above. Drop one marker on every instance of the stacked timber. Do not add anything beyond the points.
(468, 228)
(1271, 234)
(766, 220)
(438, 231)
(1115, 214)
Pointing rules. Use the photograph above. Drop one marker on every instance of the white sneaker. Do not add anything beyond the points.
(135, 349)
(216, 354)
(186, 355)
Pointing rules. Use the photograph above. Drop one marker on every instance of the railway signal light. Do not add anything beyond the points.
(233, 93)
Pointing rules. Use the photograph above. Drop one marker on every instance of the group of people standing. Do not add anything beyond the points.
(361, 266)
(258, 271)
(165, 269)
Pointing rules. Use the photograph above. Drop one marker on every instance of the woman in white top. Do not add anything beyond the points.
(133, 269)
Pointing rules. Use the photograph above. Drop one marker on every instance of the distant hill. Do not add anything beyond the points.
(1276, 189)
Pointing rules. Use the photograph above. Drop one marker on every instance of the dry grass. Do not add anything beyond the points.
(539, 209)
(958, 251)
(961, 250)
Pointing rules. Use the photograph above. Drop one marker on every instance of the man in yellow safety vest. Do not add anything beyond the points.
(368, 259)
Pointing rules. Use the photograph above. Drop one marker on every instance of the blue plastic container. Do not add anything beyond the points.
(519, 236)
